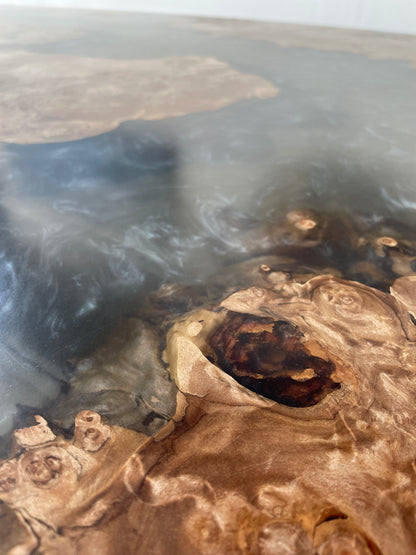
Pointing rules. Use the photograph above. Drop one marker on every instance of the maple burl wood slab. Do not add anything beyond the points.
(293, 433)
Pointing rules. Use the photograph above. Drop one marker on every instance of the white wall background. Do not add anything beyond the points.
(382, 15)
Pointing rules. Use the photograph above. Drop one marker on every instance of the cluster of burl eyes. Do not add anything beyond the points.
(44, 464)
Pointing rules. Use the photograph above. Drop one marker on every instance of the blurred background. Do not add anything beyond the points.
(398, 16)
(147, 150)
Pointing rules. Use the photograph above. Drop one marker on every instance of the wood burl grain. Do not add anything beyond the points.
(294, 433)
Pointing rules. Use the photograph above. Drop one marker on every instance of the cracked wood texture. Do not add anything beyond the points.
(293, 433)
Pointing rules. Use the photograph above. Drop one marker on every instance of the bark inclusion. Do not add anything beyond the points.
(271, 359)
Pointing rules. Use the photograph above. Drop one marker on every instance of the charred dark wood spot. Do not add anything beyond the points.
(271, 359)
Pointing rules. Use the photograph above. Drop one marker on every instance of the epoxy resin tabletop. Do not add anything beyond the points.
(207, 286)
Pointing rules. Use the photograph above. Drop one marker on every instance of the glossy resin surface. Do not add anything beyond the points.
(207, 260)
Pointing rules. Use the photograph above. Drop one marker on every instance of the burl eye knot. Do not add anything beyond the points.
(265, 268)
(387, 242)
(90, 433)
(305, 224)
(257, 292)
(301, 219)
(42, 467)
(343, 300)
